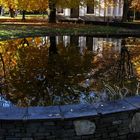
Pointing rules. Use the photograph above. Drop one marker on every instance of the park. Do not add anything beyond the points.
(69, 70)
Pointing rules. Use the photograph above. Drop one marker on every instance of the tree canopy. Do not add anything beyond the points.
(44, 5)
(135, 4)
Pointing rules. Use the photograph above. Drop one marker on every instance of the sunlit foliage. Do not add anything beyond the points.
(135, 5)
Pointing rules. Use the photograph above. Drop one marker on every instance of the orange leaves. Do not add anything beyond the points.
(28, 5)
(135, 4)
(40, 5)
(10, 3)
(68, 3)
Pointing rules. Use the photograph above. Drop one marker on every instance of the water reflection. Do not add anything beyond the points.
(68, 69)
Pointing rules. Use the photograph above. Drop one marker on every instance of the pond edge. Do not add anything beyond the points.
(74, 111)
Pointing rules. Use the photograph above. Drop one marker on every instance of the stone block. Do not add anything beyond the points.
(124, 132)
(69, 132)
(104, 135)
(135, 123)
(49, 123)
(84, 127)
(27, 139)
(40, 113)
(124, 137)
(78, 111)
(117, 122)
(11, 113)
(114, 107)
(114, 134)
(12, 138)
(135, 101)
(88, 137)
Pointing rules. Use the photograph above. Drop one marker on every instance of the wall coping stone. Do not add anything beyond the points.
(135, 101)
(73, 111)
(78, 111)
(115, 107)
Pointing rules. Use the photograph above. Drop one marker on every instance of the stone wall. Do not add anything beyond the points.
(116, 120)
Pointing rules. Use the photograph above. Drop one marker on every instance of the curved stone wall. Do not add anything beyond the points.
(116, 120)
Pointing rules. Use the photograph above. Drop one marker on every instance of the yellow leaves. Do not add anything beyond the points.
(40, 5)
(10, 3)
(92, 3)
(68, 3)
(23, 4)
(76, 3)
(135, 4)
(28, 5)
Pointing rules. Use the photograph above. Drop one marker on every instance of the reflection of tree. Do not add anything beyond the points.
(38, 78)
(89, 42)
(110, 63)
(50, 74)
(126, 76)
(3, 65)
(105, 61)
(125, 69)
(52, 16)
(126, 10)
(52, 48)
(65, 70)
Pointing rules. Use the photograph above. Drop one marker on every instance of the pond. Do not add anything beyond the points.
(56, 70)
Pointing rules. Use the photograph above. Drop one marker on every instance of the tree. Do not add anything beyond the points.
(52, 7)
(126, 10)
(32, 5)
(40, 5)
(12, 5)
(24, 5)
(135, 6)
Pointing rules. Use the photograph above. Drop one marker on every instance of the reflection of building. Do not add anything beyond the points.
(4, 103)
(101, 9)
(81, 42)
(91, 43)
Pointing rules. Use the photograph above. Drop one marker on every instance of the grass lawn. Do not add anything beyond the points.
(18, 29)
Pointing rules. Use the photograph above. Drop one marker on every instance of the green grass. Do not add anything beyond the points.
(28, 16)
(10, 31)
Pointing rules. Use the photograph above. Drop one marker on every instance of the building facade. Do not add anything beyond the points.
(102, 9)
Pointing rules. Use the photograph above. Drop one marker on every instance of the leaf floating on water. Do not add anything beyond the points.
(54, 115)
(123, 107)
(50, 115)
(57, 114)
(71, 110)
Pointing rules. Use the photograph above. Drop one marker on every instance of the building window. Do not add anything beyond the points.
(74, 13)
(109, 10)
(90, 10)
(59, 10)
(120, 8)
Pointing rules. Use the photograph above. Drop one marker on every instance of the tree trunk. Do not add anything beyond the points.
(52, 16)
(23, 15)
(11, 12)
(126, 10)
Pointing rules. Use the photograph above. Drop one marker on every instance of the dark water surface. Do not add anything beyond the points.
(43, 71)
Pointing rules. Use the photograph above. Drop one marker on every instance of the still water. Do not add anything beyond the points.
(43, 71)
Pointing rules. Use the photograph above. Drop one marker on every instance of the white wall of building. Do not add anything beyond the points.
(99, 10)
(66, 12)
(82, 10)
